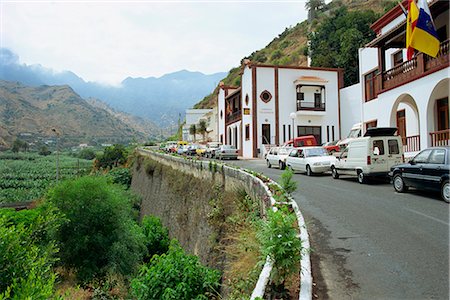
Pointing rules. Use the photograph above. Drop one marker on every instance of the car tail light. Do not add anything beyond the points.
(369, 161)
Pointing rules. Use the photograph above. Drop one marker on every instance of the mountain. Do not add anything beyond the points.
(35, 111)
(160, 100)
(291, 46)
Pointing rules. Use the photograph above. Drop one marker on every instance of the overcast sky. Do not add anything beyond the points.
(107, 41)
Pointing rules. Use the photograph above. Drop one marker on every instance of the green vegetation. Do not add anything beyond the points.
(156, 237)
(175, 275)
(286, 182)
(27, 176)
(99, 235)
(112, 156)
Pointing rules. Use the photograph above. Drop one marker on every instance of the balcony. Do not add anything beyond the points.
(233, 117)
(310, 105)
(418, 67)
(440, 138)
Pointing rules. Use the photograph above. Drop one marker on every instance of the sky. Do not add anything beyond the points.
(107, 41)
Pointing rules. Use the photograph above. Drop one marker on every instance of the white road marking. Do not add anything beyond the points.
(427, 216)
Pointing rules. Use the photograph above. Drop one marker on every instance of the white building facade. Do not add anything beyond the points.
(410, 95)
(193, 117)
(258, 114)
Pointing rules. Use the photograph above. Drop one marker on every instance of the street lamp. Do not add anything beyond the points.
(293, 115)
(57, 154)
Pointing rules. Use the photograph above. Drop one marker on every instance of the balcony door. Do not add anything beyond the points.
(401, 125)
(442, 112)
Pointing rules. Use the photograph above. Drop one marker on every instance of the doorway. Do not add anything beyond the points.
(401, 125)
(266, 133)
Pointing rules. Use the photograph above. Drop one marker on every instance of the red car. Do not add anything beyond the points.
(331, 147)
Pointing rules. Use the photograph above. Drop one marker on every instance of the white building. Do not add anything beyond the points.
(193, 117)
(410, 95)
(258, 113)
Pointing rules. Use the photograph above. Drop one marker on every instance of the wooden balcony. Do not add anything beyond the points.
(418, 67)
(310, 105)
(440, 138)
(233, 117)
(411, 143)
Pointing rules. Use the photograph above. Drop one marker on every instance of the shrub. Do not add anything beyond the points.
(279, 241)
(25, 266)
(175, 275)
(99, 234)
(87, 153)
(286, 181)
(156, 236)
(112, 156)
(120, 176)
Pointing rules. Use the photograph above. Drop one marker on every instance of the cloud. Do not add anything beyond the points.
(7, 57)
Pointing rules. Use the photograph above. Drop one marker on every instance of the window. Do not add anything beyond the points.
(300, 96)
(247, 132)
(397, 58)
(311, 130)
(332, 133)
(393, 147)
(328, 133)
(284, 133)
(221, 138)
(265, 96)
(378, 147)
(437, 156)
(442, 33)
(370, 83)
(371, 124)
(289, 131)
(293, 153)
(318, 100)
(422, 157)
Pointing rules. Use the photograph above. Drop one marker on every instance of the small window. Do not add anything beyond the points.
(378, 147)
(422, 157)
(393, 147)
(370, 85)
(293, 153)
(397, 58)
(266, 96)
(247, 132)
(437, 156)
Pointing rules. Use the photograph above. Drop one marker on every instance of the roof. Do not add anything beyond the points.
(314, 79)
(238, 90)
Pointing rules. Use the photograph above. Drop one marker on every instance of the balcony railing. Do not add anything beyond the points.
(440, 138)
(233, 117)
(411, 143)
(310, 105)
(413, 69)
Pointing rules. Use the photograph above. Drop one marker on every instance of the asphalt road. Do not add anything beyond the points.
(370, 242)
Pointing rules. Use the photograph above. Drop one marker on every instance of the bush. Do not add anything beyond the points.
(120, 176)
(286, 182)
(99, 234)
(280, 242)
(25, 265)
(112, 156)
(156, 236)
(175, 275)
(87, 153)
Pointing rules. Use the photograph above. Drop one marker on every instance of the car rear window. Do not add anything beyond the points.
(393, 147)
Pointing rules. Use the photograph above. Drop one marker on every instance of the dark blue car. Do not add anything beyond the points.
(428, 170)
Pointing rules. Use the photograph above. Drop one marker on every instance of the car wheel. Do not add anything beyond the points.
(361, 177)
(334, 173)
(399, 184)
(268, 163)
(308, 170)
(445, 191)
(282, 165)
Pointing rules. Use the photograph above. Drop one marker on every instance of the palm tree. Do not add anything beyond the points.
(202, 127)
(193, 130)
(314, 6)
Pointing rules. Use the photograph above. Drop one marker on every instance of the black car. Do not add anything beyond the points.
(428, 170)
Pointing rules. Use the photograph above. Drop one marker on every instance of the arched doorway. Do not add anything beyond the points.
(438, 115)
(405, 116)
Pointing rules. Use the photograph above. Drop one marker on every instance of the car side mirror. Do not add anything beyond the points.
(412, 162)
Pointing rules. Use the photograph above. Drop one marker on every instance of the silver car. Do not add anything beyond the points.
(226, 151)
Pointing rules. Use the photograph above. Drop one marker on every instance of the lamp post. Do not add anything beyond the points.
(57, 154)
(293, 115)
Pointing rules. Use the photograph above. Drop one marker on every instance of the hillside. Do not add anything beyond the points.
(35, 111)
(290, 47)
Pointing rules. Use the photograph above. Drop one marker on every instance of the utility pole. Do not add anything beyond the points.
(57, 154)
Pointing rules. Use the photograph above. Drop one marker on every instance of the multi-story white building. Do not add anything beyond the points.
(410, 95)
(193, 117)
(276, 103)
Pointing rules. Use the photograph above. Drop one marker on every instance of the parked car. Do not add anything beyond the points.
(428, 170)
(211, 148)
(226, 151)
(354, 133)
(310, 160)
(182, 149)
(201, 150)
(370, 156)
(301, 141)
(192, 149)
(277, 157)
(331, 147)
(170, 147)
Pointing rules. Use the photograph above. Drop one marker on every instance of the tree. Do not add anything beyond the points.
(112, 156)
(99, 234)
(86, 154)
(313, 7)
(336, 41)
(202, 127)
(44, 151)
(19, 144)
(193, 130)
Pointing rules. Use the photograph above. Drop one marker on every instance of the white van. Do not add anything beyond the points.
(354, 133)
(370, 156)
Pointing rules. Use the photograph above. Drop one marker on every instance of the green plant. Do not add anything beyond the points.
(286, 182)
(99, 234)
(175, 275)
(113, 156)
(156, 237)
(86, 153)
(279, 240)
(120, 176)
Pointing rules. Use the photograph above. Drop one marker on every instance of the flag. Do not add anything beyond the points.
(424, 37)
(411, 21)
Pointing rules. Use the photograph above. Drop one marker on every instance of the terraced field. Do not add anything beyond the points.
(27, 176)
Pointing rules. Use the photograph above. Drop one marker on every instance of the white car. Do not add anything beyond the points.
(277, 157)
(310, 160)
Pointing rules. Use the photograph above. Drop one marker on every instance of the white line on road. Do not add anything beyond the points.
(427, 216)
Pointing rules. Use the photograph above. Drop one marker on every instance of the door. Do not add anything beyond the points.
(401, 125)
(442, 107)
(413, 175)
(434, 169)
(266, 133)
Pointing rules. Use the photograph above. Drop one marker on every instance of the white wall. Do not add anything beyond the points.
(351, 107)
(246, 85)
(265, 81)
(221, 114)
